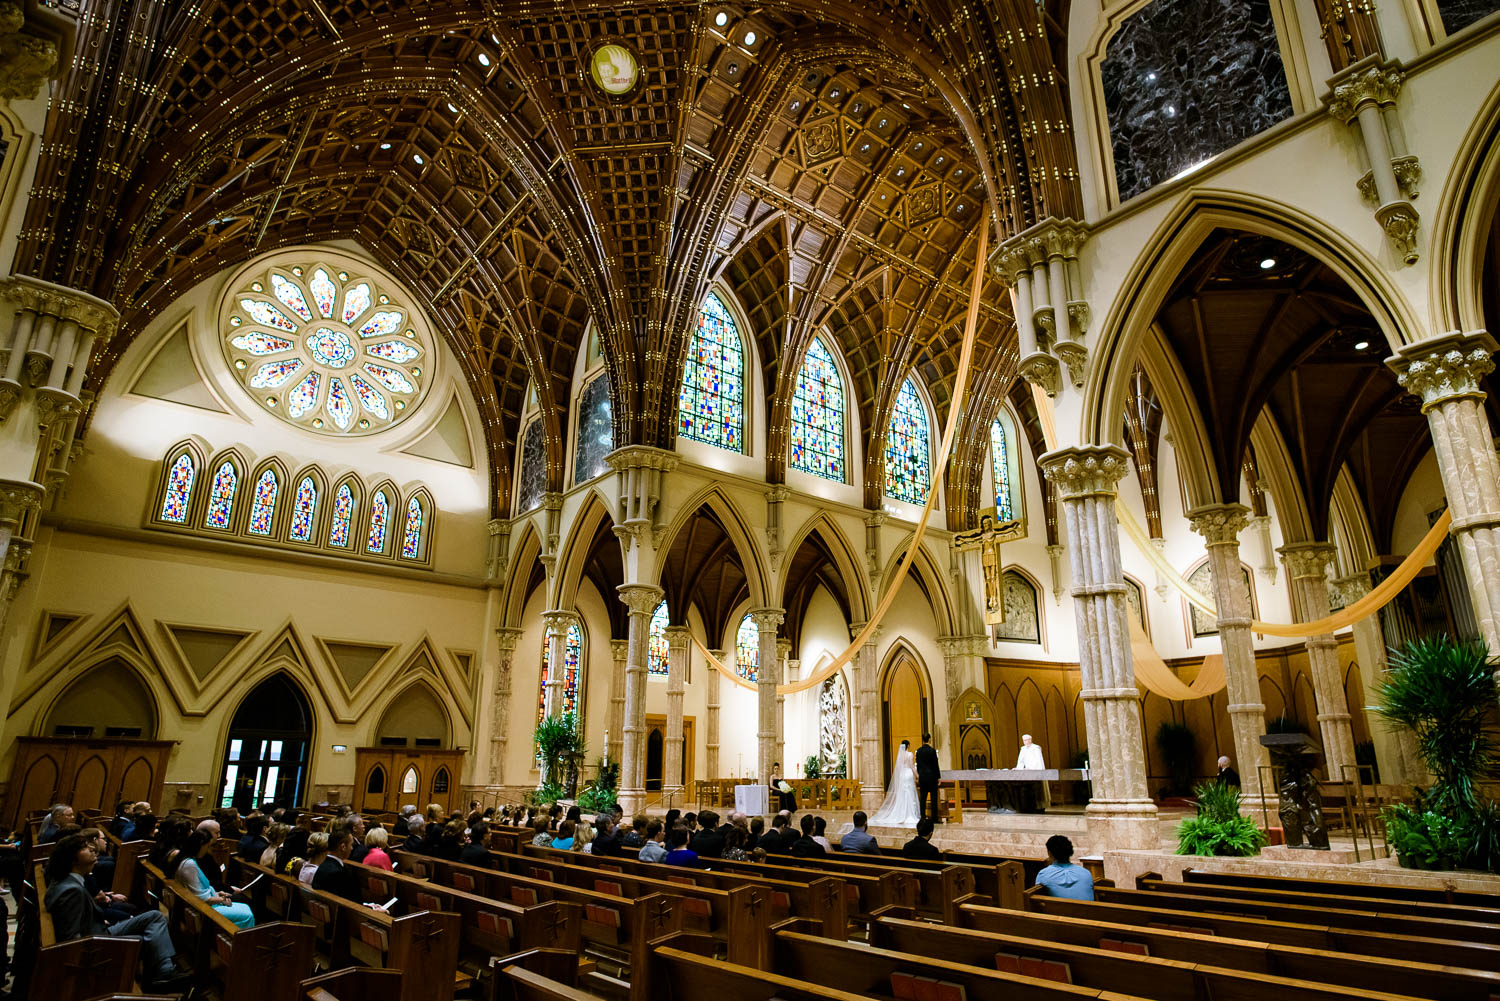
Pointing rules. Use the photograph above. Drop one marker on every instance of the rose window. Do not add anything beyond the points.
(326, 350)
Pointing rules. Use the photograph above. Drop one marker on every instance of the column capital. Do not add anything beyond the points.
(1220, 524)
(767, 619)
(17, 497)
(47, 299)
(641, 599)
(1368, 81)
(960, 646)
(1086, 470)
(855, 628)
(783, 647)
(619, 650)
(559, 618)
(678, 638)
(1307, 559)
(1447, 367)
(641, 457)
(506, 638)
(1353, 587)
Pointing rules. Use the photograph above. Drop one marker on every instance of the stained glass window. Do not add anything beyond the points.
(343, 513)
(571, 654)
(818, 416)
(596, 431)
(380, 512)
(263, 503)
(221, 496)
(411, 538)
(711, 407)
(179, 491)
(1000, 464)
(908, 460)
(533, 468)
(304, 506)
(747, 649)
(656, 647)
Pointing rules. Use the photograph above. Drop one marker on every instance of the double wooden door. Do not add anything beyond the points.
(388, 778)
(88, 774)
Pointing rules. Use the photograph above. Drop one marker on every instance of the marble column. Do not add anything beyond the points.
(505, 638)
(619, 650)
(767, 622)
(641, 600)
(711, 680)
(867, 719)
(1121, 813)
(678, 645)
(1221, 525)
(1307, 572)
(787, 669)
(556, 622)
(1446, 372)
(1395, 748)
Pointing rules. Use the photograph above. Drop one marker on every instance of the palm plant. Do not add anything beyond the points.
(1442, 691)
(555, 737)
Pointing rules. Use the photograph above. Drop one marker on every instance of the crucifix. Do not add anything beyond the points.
(987, 539)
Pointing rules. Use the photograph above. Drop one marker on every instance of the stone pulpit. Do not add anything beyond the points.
(1293, 757)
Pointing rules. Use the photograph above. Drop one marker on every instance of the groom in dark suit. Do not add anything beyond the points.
(928, 774)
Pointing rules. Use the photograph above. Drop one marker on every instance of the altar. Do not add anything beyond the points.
(1007, 790)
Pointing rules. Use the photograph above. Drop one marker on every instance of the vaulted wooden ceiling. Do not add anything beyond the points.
(831, 162)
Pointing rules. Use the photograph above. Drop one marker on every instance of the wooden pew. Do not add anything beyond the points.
(617, 924)
(1001, 878)
(738, 917)
(1311, 897)
(127, 873)
(864, 891)
(679, 974)
(811, 895)
(489, 927)
(516, 983)
(1344, 888)
(82, 968)
(423, 945)
(1308, 913)
(1143, 975)
(939, 889)
(358, 983)
(264, 963)
(1298, 962)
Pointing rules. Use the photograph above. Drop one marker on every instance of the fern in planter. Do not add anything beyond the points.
(814, 767)
(1219, 828)
(601, 793)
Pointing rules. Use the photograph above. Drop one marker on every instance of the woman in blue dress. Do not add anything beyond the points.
(185, 868)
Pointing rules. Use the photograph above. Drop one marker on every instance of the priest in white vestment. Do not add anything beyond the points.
(1030, 758)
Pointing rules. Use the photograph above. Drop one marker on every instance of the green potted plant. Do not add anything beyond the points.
(602, 791)
(814, 767)
(1179, 749)
(555, 737)
(1443, 692)
(1219, 828)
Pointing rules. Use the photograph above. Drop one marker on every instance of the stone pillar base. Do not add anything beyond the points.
(870, 798)
(632, 801)
(1123, 824)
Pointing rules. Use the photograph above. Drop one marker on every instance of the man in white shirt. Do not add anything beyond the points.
(1030, 759)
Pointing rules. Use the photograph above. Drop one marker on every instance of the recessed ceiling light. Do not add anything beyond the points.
(749, 38)
(721, 19)
(418, 158)
(494, 38)
(452, 109)
(484, 60)
(1268, 264)
(1361, 345)
(385, 145)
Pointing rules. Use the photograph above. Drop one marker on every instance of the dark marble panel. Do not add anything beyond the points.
(533, 468)
(1186, 79)
(596, 432)
(1459, 14)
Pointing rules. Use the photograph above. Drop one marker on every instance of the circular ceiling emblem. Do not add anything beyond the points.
(614, 69)
(324, 349)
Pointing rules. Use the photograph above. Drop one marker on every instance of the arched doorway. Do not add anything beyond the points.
(265, 756)
(653, 760)
(904, 707)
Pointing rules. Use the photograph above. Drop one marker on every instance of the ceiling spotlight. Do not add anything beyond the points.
(484, 60)
(385, 145)
(418, 158)
(1361, 345)
(721, 19)
(749, 38)
(452, 109)
(1268, 264)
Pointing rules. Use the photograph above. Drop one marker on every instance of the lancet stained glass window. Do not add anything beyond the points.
(263, 503)
(711, 406)
(221, 496)
(818, 416)
(1000, 467)
(747, 649)
(343, 513)
(411, 538)
(572, 651)
(908, 458)
(596, 431)
(304, 506)
(179, 489)
(533, 468)
(656, 647)
(380, 513)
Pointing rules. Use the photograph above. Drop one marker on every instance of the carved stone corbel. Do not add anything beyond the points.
(1363, 97)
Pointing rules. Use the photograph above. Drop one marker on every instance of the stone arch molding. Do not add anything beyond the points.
(735, 525)
(1146, 284)
(845, 561)
(1458, 234)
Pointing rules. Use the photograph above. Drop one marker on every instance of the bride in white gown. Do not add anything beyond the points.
(902, 806)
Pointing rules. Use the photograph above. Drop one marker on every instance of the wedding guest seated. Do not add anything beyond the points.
(564, 840)
(680, 854)
(1062, 878)
(734, 845)
(189, 869)
(76, 915)
(254, 844)
(275, 838)
(607, 841)
(60, 815)
(757, 830)
(116, 906)
(476, 852)
(542, 839)
(654, 850)
(636, 836)
(355, 825)
(820, 833)
(583, 837)
(778, 840)
(708, 842)
(921, 846)
(293, 851)
(860, 840)
(333, 876)
(805, 846)
(407, 812)
(317, 854)
(416, 835)
(376, 855)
